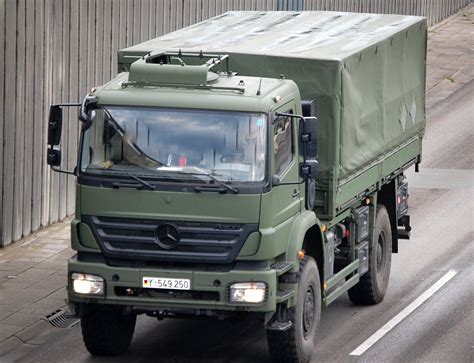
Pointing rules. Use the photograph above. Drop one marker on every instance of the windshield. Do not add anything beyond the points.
(176, 144)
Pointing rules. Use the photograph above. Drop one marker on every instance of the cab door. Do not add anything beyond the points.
(283, 202)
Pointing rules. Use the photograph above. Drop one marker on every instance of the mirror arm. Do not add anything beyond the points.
(57, 170)
(63, 171)
(288, 115)
(305, 176)
(67, 104)
(293, 183)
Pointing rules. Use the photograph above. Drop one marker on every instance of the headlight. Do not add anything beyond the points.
(247, 292)
(87, 284)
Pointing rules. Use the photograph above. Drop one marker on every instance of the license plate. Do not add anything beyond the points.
(166, 283)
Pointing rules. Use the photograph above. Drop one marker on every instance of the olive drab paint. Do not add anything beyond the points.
(366, 73)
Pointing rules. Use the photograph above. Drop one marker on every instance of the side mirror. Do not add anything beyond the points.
(309, 136)
(309, 169)
(54, 157)
(55, 125)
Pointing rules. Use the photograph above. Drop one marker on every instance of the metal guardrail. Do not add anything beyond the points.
(56, 50)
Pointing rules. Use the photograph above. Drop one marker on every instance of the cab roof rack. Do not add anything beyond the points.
(170, 69)
(168, 57)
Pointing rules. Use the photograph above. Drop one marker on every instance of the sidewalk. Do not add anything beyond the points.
(33, 270)
(32, 286)
(450, 58)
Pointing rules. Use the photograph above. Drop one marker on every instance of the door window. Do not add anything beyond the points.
(282, 143)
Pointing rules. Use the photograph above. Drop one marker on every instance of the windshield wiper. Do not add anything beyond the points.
(127, 185)
(144, 183)
(220, 182)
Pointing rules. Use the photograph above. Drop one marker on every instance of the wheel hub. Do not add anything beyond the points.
(308, 311)
(380, 252)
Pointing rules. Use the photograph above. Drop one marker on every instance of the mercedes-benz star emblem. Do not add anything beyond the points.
(167, 236)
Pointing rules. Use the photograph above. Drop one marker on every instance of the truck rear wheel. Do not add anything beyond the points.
(297, 343)
(372, 286)
(106, 332)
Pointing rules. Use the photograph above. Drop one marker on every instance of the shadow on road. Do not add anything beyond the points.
(196, 341)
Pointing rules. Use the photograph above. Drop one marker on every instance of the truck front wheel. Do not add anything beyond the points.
(106, 332)
(372, 286)
(297, 343)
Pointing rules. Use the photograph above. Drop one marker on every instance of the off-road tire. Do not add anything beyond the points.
(106, 332)
(297, 344)
(371, 288)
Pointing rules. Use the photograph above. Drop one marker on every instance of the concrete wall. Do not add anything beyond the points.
(56, 50)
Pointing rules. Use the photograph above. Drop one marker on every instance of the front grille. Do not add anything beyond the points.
(167, 294)
(198, 242)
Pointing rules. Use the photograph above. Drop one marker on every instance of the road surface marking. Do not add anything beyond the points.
(403, 314)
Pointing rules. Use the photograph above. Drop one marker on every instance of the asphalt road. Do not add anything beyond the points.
(439, 330)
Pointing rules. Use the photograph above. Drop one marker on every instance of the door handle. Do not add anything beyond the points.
(296, 193)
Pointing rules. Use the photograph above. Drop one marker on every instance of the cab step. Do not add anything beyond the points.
(280, 325)
(283, 295)
(282, 267)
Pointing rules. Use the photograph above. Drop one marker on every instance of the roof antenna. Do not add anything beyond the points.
(259, 87)
(262, 70)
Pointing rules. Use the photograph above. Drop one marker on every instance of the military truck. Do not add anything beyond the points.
(249, 165)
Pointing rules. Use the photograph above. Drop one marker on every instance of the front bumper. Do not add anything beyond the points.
(203, 285)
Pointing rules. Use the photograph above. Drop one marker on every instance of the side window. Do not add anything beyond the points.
(283, 143)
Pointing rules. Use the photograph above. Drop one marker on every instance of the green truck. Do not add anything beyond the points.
(248, 165)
